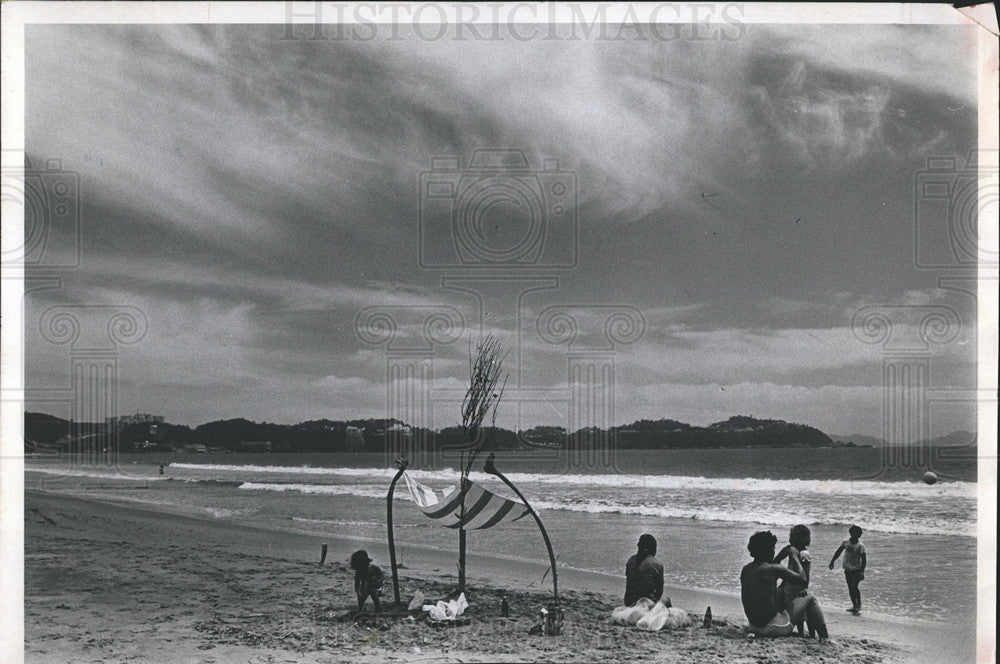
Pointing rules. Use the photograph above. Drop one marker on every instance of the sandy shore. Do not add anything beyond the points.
(111, 583)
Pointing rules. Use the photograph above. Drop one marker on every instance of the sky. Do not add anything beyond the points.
(739, 202)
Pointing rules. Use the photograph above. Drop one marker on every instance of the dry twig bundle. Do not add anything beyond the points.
(482, 397)
(481, 400)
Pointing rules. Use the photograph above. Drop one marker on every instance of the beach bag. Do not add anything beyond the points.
(663, 617)
(630, 615)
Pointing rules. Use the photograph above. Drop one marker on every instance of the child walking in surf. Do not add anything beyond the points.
(855, 561)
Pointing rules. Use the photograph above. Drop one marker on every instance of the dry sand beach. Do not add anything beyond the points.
(111, 583)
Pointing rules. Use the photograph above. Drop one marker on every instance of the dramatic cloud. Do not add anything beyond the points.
(252, 196)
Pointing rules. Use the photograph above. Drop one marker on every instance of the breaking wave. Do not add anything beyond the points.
(103, 475)
(761, 511)
(898, 490)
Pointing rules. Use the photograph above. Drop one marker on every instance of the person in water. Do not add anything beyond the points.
(855, 562)
(762, 602)
(644, 573)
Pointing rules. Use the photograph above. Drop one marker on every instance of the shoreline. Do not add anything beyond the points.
(831, 463)
(915, 640)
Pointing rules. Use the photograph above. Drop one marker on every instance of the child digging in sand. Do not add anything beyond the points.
(797, 552)
(367, 580)
(855, 561)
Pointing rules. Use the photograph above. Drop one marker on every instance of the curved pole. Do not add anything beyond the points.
(402, 463)
(492, 470)
(461, 528)
(462, 539)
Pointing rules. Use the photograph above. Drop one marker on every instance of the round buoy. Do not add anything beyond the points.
(929, 477)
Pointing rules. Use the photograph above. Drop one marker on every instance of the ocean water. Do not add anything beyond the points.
(702, 505)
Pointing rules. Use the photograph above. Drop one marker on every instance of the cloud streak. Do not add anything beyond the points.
(251, 195)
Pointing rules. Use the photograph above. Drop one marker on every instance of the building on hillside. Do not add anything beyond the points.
(255, 446)
(354, 439)
(138, 418)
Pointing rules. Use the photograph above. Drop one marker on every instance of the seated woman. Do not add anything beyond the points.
(762, 601)
(797, 552)
(644, 573)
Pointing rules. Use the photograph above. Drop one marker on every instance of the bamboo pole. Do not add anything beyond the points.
(402, 463)
(492, 470)
(481, 399)
(461, 531)
(461, 559)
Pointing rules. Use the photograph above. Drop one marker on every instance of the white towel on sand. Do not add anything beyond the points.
(629, 615)
(449, 610)
(651, 616)
(663, 617)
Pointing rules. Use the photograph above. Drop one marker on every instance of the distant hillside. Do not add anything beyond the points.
(372, 435)
(42, 428)
(311, 436)
(737, 431)
(953, 439)
(858, 440)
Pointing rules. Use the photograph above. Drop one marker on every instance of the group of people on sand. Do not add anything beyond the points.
(772, 609)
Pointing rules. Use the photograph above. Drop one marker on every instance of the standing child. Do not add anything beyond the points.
(367, 580)
(855, 561)
(799, 561)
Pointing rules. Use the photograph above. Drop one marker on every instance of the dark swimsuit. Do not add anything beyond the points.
(643, 578)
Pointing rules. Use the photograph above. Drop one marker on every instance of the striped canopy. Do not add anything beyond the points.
(483, 509)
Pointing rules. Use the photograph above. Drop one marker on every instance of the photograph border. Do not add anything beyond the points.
(16, 15)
